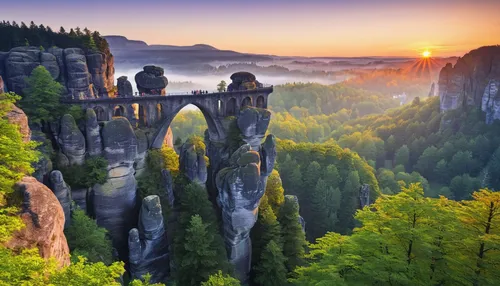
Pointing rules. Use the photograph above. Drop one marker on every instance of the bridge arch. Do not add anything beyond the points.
(100, 113)
(119, 110)
(214, 130)
(247, 101)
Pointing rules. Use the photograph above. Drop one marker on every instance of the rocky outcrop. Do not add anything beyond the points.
(364, 195)
(432, 91)
(169, 138)
(465, 83)
(151, 80)
(114, 203)
(268, 155)
(192, 163)
(43, 217)
(253, 123)
(168, 182)
(124, 87)
(18, 117)
(92, 134)
(81, 74)
(2, 86)
(142, 151)
(71, 141)
(241, 187)
(63, 194)
(148, 245)
(491, 100)
(243, 81)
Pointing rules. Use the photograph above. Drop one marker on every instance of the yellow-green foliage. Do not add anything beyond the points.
(9, 223)
(28, 268)
(274, 191)
(220, 279)
(16, 156)
(408, 239)
(187, 123)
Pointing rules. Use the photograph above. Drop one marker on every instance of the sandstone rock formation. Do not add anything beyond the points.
(81, 74)
(124, 87)
(63, 194)
(18, 117)
(241, 187)
(243, 81)
(2, 86)
(169, 186)
(364, 195)
(491, 100)
(92, 134)
(169, 138)
(71, 140)
(253, 123)
(142, 151)
(465, 83)
(192, 163)
(151, 80)
(44, 219)
(114, 203)
(148, 245)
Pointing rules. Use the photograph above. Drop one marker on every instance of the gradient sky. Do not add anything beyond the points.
(282, 27)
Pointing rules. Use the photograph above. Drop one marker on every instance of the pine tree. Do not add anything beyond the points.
(265, 229)
(271, 270)
(292, 235)
(41, 97)
(402, 156)
(349, 203)
(198, 259)
(274, 191)
(318, 221)
(220, 280)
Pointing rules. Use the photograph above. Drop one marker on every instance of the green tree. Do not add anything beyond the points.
(16, 156)
(349, 202)
(221, 86)
(318, 220)
(402, 156)
(292, 235)
(220, 279)
(94, 168)
(41, 97)
(199, 258)
(274, 191)
(86, 238)
(271, 270)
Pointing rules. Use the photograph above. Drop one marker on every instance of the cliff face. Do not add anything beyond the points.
(82, 74)
(473, 81)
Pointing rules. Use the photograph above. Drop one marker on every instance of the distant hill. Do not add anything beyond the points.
(121, 42)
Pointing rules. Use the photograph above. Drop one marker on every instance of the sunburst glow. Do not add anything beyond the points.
(426, 54)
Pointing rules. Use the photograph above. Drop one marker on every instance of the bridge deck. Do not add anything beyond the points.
(164, 97)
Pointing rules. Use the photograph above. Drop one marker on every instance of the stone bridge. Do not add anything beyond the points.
(157, 112)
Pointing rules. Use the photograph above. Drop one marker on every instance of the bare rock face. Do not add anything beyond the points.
(142, 151)
(71, 140)
(2, 85)
(92, 133)
(148, 245)
(268, 155)
(491, 101)
(19, 64)
(44, 219)
(18, 117)
(253, 123)
(465, 83)
(63, 194)
(240, 187)
(169, 186)
(78, 80)
(243, 81)
(124, 87)
(101, 71)
(114, 203)
(364, 195)
(432, 91)
(192, 163)
(151, 80)
(49, 61)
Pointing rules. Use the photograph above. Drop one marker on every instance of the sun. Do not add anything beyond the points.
(426, 54)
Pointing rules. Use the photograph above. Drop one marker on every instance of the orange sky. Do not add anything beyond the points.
(292, 27)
